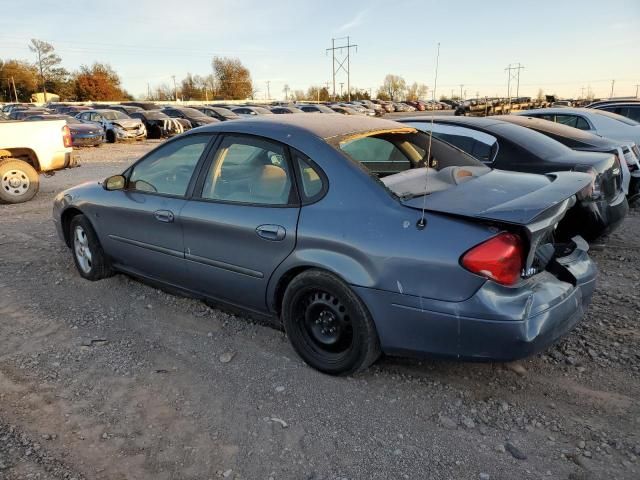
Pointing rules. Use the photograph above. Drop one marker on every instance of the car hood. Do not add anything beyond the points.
(510, 197)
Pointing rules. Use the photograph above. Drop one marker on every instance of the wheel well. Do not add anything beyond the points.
(283, 283)
(24, 154)
(67, 216)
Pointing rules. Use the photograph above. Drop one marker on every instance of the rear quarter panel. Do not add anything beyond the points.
(362, 234)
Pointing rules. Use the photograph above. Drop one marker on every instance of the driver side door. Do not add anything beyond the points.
(143, 232)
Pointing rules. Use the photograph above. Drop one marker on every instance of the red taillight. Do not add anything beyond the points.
(66, 136)
(499, 259)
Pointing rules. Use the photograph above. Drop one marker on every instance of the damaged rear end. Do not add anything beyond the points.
(536, 286)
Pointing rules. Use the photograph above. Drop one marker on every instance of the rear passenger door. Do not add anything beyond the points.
(241, 222)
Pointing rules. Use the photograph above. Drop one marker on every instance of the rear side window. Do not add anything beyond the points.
(574, 121)
(310, 178)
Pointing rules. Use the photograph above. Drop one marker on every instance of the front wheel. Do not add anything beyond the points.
(90, 259)
(19, 181)
(328, 325)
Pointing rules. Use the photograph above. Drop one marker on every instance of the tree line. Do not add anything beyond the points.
(229, 80)
(20, 79)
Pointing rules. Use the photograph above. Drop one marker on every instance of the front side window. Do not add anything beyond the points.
(168, 169)
(249, 170)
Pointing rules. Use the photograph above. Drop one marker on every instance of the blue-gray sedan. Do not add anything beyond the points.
(358, 234)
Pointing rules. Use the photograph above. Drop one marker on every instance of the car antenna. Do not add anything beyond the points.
(423, 221)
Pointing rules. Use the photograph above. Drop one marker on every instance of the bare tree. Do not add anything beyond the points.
(394, 86)
(46, 60)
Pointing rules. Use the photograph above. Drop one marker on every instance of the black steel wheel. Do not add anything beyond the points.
(328, 325)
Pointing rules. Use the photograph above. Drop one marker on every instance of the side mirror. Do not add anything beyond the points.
(116, 182)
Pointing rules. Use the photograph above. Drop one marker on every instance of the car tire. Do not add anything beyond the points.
(88, 255)
(328, 325)
(111, 136)
(19, 181)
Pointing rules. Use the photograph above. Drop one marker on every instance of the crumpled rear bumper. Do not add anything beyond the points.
(497, 323)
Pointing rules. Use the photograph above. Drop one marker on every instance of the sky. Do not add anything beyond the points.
(567, 47)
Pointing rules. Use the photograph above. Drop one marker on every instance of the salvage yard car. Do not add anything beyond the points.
(499, 144)
(116, 125)
(82, 134)
(294, 216)
(585, 141)
(28, 149)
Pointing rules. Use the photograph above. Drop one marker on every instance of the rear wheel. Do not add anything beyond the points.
(328, 325)
(19, 181)
(111, 136)
(88, 255)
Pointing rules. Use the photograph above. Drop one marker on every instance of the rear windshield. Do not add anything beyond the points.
(113, 115)
(390, 152)
(538, 144)
(615, 116)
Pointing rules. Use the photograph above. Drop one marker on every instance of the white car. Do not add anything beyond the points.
(117, 125)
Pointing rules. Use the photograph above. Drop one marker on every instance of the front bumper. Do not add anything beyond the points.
(86, 140)
(496, 323)
(134, 134)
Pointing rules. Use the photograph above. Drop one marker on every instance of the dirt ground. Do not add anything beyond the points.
(118, 380)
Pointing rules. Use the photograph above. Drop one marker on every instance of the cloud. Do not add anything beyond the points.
(355, 22)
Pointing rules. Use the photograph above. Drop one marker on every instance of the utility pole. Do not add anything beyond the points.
(582, 94)
(341, 85)
(637, 85)
(15, 93)
(268, 82)
(148, 91)
(613, 82)
(339, 62)
(175, 88)
(286, 92)
(461, 85)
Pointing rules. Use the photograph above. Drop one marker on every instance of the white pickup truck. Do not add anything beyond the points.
(28, 149)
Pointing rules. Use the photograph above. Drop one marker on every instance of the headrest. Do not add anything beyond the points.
(269, 183)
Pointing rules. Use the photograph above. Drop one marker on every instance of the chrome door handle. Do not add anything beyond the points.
(165, 216)
(271, 232)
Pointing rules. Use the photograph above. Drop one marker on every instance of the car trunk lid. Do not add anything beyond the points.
(509, 197)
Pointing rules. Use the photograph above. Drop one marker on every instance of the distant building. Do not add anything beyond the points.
(38, 97)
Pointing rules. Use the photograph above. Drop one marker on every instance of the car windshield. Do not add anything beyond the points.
(113, 115)
(224, 112)
(615, 116)
(69, 119)
(192, 112)
(155, 115)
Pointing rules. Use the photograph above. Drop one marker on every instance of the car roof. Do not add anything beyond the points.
(560, 130)
(561, 110)
(481, 122)
(317, 125)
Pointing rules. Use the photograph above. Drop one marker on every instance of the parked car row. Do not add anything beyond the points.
(291, 215)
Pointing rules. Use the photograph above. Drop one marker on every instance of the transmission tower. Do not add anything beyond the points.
(513, 74)
(341, 61)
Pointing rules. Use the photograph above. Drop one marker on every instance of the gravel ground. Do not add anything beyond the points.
(118, 380)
